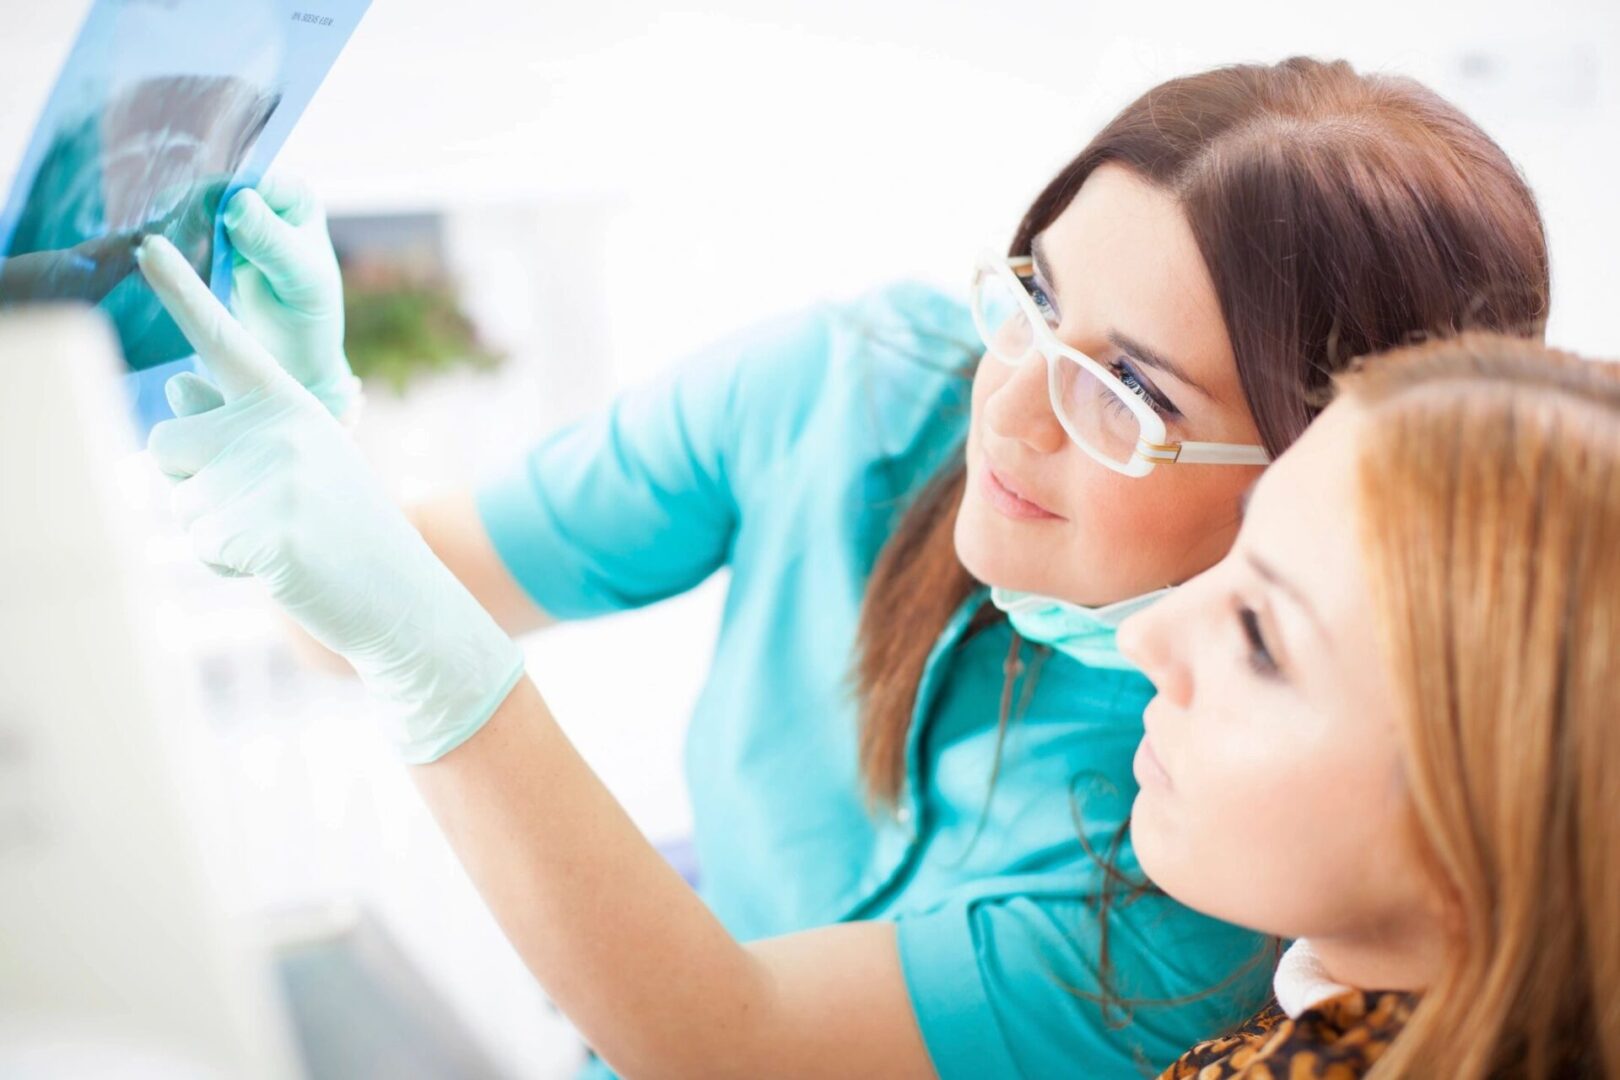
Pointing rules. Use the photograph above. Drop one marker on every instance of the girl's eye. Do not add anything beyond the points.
(1133, 382)
(1260, 659)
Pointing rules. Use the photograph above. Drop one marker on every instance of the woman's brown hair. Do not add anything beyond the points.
(1339, 214)
(1489, 496)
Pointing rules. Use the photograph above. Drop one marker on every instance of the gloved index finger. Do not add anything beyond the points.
(239, 364)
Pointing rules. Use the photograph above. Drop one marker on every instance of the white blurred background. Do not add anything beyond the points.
(621, 183)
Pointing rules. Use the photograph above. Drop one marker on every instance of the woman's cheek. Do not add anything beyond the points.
(1118, 545)
(1187, 517)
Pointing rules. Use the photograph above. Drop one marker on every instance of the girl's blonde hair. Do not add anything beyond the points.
(1489, 487)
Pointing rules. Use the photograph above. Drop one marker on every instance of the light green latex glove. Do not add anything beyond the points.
(286, 289)
(270, 485)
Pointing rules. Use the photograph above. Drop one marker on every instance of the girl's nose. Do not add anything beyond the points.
(1148, 640)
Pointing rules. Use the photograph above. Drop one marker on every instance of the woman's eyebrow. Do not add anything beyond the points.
(1037, 251)
(1157, 360)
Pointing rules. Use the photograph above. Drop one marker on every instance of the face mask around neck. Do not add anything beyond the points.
(1083, 633)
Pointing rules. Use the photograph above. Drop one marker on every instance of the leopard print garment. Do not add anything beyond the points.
(1338, 1039)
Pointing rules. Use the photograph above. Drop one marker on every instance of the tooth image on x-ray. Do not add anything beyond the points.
(156, 158)
(161, 111)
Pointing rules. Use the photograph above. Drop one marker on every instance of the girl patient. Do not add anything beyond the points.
(1385, 727)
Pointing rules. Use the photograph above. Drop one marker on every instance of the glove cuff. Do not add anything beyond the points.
(425, 747)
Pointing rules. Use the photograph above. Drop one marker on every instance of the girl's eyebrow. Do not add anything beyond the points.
(1270, 575)
(1149, 357)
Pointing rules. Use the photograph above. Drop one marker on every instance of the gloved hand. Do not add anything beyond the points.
(270, 485)
(286, 288)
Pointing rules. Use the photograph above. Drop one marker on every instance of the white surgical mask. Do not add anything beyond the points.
(1086, 634)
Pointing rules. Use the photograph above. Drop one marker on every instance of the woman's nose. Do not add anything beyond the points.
(1021, 408)
(1147, 639)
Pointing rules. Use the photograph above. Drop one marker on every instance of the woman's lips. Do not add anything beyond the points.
(1147, 767)
(1008, 502)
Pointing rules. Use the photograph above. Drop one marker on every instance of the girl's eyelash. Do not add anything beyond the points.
(1260, 659)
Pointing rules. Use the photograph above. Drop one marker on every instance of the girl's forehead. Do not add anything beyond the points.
(1303, 519)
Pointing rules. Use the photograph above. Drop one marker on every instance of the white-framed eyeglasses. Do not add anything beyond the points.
(1109, 421)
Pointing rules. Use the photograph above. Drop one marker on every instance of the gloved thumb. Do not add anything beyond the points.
(292, 201)
(260, 236)
(239, 364)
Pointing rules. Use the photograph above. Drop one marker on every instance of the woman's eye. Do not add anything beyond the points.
(1260, 659)
(1133, 382)
(1043, 302)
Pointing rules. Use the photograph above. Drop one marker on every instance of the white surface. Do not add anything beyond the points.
(115, 933)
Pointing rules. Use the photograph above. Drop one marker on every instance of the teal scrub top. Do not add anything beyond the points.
(788, 454)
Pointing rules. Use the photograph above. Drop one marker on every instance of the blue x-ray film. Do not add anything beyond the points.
(162, 111)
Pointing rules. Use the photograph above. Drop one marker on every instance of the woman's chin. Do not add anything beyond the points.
(995, 553)
(989, 560)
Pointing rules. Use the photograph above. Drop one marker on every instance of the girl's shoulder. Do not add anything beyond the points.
(1342, 1036)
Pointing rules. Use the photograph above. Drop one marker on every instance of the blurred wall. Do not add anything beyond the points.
(826, 146)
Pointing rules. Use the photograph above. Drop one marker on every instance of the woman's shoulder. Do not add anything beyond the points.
(905, 326)
(1342, 1036)
(912, 307)
(910, 328)
(907, 318)
(903, 355)
(883, 374)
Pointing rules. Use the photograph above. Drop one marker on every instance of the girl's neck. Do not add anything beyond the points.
(1381, 961)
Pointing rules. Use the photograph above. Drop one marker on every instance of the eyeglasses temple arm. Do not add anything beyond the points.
(1205, 453)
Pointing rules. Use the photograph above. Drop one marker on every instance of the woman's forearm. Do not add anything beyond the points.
(452, 527)
(627, 950)
(614, 935)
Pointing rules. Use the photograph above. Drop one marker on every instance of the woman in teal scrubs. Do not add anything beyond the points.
(906, 783)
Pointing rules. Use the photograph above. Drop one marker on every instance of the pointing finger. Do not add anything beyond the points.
(240, 365)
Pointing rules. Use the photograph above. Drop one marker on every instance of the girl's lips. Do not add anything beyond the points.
(1147, 767)
(1007, 501)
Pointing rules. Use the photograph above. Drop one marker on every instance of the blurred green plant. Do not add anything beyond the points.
(403, 330)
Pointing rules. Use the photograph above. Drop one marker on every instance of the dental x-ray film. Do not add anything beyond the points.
(163, 110)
